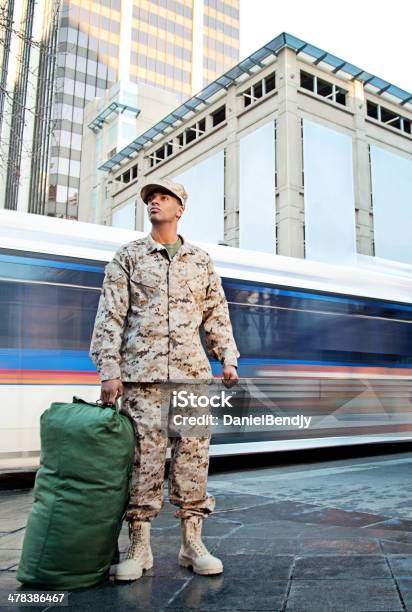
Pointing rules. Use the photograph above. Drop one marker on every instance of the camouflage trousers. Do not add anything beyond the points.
(189, 458)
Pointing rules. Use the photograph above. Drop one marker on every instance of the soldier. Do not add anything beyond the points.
(156, 293)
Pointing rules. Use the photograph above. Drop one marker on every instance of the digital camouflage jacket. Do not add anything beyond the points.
(150, 311)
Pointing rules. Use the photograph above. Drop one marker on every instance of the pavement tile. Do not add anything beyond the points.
(348, 546)
(401, 565)
(238, 501)
(257, 546)
(336, 516)
(15, 510)
(212, 594)
(140, 596)
(13, 539)
(343, 596)
(393, 547)
(341, 567)
(336, 532)
(8, 578)
(395, 524)
(270, 512)
(258, 567)
(388, 534)
(370, 533)
(12, 522)
(10, 496)
(9, 558)
(405, 588)
(272, 530)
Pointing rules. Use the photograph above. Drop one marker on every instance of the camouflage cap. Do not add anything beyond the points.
(174, 188)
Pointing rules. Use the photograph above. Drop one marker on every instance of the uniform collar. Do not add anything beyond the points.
(152, 245)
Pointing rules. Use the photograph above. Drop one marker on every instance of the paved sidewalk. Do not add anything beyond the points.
(332, 536)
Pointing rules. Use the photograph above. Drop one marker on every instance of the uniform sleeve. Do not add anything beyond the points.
(216, 322)
(110, 318)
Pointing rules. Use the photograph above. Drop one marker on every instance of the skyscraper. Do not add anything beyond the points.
(182, 45)
(28, 41)
(84, 47)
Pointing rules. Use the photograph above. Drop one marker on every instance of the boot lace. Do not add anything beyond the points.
(137, 544)
(198, 547)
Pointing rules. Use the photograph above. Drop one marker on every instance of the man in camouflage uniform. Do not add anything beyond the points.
(156, 293)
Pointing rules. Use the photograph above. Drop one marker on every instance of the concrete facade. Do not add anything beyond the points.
(110, 122)
(347, 111)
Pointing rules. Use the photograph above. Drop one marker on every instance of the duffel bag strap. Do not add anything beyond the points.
(79, 400)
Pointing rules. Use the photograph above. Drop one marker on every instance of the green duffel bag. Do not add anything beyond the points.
(81, 494)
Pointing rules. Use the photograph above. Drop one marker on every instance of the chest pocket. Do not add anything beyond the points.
(143, 287)
(112, 272)
(196, 280)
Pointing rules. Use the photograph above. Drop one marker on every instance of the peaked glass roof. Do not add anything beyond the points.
(251, 65)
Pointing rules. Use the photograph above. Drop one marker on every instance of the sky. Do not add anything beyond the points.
(373, 35)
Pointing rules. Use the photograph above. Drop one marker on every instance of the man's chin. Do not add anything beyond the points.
(157, 220)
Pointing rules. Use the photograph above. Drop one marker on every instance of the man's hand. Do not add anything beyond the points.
(230, 376)
(111, 390)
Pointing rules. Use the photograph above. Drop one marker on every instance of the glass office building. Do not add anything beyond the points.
(83, 48)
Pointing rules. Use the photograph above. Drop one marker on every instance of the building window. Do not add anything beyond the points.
(388, 117)
(340, 96)
(165, 151)
(252, 94)
(248, 97)
(307, 81)
(196, 130)
(156, 157)
(372, 110)
(52, 193)
(219, 116)
(190, 134)
(323, 88)
(259, 89)
(270, 82)
(184, 138)
(129, 175)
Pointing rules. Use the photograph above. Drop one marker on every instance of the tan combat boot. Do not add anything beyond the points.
(139, 556)
(193, 552)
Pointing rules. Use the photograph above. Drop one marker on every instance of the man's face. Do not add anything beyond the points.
(163, 207)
